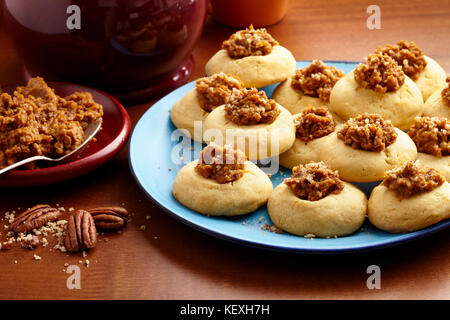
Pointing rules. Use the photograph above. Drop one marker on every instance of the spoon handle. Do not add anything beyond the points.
(21, 163)
(89, 133)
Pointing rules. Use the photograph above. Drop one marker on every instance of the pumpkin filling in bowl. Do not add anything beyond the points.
(34, 121)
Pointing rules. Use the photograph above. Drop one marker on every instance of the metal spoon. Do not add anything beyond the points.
(89, 133)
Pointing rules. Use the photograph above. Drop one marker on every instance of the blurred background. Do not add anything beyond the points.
(139, 50)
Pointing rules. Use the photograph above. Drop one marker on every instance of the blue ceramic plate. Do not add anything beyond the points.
(150, 161)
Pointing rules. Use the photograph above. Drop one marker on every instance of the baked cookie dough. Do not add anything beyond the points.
(400, 104)
(317, 79)
(258, 140)
(186, 111)
(431, 78)
(438, 104)
(209, 197)
(336, 214)
(441, 164)
(313, 127)
(423, 70)
(209, 93)
(359, 165)
(258, 62)
(422, 208)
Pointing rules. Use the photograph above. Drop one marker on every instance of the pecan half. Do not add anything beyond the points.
(109, 218)
(81, 233)
(34, 218)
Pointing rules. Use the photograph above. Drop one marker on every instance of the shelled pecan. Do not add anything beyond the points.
(81, 233)
(34, 218)
(109, 218)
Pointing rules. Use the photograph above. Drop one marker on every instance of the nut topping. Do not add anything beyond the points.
(250, 107)
(313, 123)
(109, 218)
(408, 56)
(34, 218)
(222, 164)
(317, 80)
(213, 91)
(34, 121)
(249, 42)
(412, 178)
(431, 135)
(368, 132)
(314, 181)
(81, 232)
(380, 73)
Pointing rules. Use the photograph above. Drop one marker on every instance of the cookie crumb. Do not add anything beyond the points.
(271, 228)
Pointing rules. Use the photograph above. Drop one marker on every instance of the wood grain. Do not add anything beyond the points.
(172, 261)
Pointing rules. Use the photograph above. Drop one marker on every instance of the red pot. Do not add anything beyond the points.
(130, 48)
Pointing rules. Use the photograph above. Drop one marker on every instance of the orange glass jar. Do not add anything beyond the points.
(242, 13)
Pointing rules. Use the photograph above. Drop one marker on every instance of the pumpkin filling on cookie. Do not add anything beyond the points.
(313, 123)
(431, 135)
(446, 93)
(35, 121)
(368, 132)
(249, 42)
(316, 80)
(380, 73)
(412, 178)
(222, 164)
(314, 181)
(250, 107)
(213, 91)
(408, 56)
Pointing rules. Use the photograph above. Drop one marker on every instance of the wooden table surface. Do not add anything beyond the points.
(172, 261)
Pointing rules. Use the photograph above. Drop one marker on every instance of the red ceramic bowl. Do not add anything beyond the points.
(110, 139)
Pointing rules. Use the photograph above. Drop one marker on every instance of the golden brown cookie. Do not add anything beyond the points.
(313, 126)
(211, 198)
(339, 213)
(357, 165)
(389, 213)
(255, 71)
(186, 111)
(435, 106)
(208, 94)
(348, 99)
(295, 101)
(259, 141)
(431, 78)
